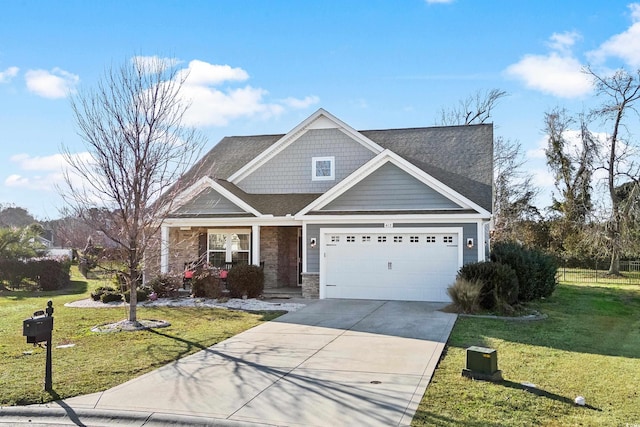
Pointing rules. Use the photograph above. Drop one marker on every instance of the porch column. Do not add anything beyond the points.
(164, 249)
(255, 245)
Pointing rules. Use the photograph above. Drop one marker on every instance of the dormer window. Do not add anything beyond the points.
(323, 168)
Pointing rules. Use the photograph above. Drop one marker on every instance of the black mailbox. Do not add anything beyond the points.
(37, 329)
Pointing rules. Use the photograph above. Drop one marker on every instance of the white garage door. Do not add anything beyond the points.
(398, 265)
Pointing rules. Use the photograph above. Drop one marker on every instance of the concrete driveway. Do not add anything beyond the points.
(335, 362)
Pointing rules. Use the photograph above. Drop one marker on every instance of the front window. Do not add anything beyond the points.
(323, 168)
(227, 247)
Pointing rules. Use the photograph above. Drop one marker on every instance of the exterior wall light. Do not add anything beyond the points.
(470, 242)
(312, 242)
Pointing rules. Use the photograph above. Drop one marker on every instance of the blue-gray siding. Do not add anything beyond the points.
(469, 230)
(209, 201)
(390, 188)
(290, 170)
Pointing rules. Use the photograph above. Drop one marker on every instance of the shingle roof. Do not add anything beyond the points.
(461, 157)
(274, 204)
(227, 156)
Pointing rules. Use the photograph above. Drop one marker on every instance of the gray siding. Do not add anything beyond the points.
(290, 171)
(313, 230)
(390, 188)
(209, 201)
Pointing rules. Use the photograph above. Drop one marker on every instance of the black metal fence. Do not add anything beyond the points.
(629, 270)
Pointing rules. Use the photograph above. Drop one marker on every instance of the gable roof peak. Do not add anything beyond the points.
(321, 119)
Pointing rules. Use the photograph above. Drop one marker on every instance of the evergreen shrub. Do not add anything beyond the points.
(499, 283)
(535, 269)
(205, 283)
(246, 280)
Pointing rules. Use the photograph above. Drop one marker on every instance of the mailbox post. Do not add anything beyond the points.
(39, 329)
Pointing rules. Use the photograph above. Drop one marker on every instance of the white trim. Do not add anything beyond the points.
(323, 232)
(164, 249)
(332, 168)
(321, 119)
(387, 156)
(323, 219)
(255, 245)
(305, 245)
(229, 250)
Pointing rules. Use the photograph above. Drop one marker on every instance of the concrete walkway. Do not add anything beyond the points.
(335, 362)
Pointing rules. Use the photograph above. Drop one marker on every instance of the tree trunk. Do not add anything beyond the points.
(133, 294)
(614, 266)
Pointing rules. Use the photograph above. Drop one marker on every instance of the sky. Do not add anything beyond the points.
(261, 67)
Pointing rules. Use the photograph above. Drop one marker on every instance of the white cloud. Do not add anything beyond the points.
(203, 73)
(538, 152)
(307, 101)
(16, 180)
(26, 162)
(149, 62)
(212, 105)
(625, 45)
(8, 74)
(37, 182)
(41, 172)
(556, 74)
(563, 42)
(53, 84)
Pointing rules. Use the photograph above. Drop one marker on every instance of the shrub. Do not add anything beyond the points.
(96, 295)
(50, 274)
(546, 274)
(205, 283)
(499, 283)
(45, 274)
(164, 285)
(141, 293)
(536, 270)
(245, 280)
(110, 297)
(465, 295)
(12, 272)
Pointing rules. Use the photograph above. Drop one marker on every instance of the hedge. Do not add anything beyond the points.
(45, 274)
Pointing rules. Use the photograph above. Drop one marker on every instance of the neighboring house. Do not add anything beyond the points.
(378, 214)
(46, 239)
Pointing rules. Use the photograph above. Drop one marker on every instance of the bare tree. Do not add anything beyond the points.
(137, 146)
(513, 189)
(620, 92)
(474, 109)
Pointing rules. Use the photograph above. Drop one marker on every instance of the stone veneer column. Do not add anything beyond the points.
(311, 285)
(269, 254)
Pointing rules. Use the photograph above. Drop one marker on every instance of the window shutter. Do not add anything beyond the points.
(202, 246)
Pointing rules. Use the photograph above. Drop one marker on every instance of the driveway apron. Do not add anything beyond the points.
(334, 362)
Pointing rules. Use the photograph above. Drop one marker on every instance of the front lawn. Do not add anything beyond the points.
(99, 361)
(588, 346)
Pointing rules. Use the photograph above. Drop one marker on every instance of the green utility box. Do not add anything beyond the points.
(482, 364)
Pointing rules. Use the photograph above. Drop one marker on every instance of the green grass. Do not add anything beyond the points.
(100, 361)
(589, 345)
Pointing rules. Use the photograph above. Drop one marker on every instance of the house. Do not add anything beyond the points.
(341, 213)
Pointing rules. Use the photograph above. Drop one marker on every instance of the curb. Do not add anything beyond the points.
(46, 416)
(527, 318)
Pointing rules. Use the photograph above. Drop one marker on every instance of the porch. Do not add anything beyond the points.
(278, 249)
